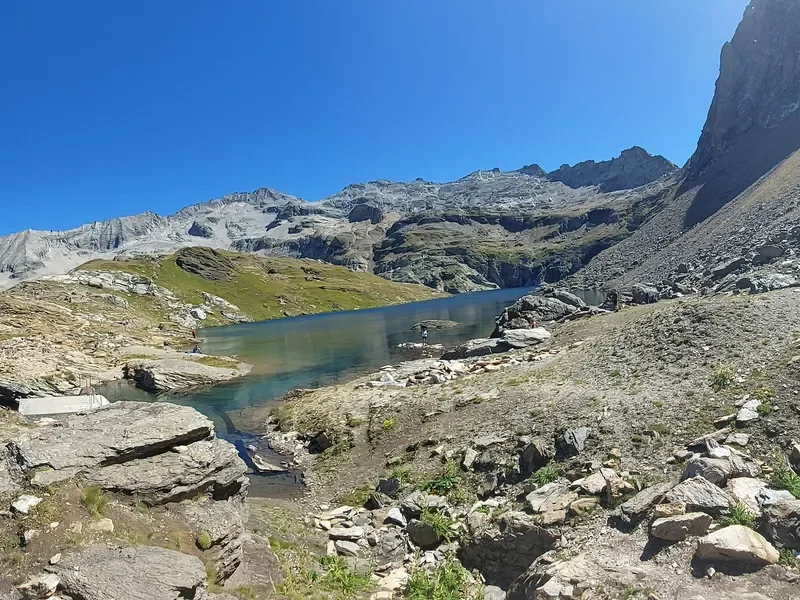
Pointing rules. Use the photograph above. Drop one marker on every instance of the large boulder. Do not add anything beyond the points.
(737, 544)
(720, 470)
(522, 338)
(645, 294)
(477, 347)
(700, 495)
(157, 451)
(143, 573)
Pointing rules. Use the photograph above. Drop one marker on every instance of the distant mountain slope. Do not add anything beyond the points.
(357, 227)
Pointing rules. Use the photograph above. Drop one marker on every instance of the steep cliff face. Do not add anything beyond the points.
(633, 168)
(759, 81)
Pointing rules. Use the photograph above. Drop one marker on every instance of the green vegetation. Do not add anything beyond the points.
(245, 593)
(263, 288)
(448, 582)
(401, 474)
(340, 579)
(547, 474)
(358, 496)
(723, 377)
(784, 478)
(765, 409)
(204, 541)
(449, 480)
(788, 558)
(740, 515)
(213, 361)
(764, 393)
(439, 523)
(94, 500)
(388, 424)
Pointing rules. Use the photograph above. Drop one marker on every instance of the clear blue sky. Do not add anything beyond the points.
(114, 107)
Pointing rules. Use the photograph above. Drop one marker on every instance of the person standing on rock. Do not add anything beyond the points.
(424, 334)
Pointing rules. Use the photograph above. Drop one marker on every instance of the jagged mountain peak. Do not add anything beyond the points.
(633, 168)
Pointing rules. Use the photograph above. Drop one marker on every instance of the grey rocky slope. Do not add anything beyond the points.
(418, 232)
(732, 214)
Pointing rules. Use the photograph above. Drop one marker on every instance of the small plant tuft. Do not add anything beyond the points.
(204, 541)
(439, 523)
(401, 474)
(448, 582)
(765, 409)
(723, 377)
(740, 515)
(547, 474)
(339, 578)
(388, 424)
(784, 478)
(94, 500)
(788, 558)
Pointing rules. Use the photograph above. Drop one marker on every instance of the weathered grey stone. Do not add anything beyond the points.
(632, 512)
(346, 548)
(573, 441)
(645, 294)
(505, 550)
(549, 494)
(737, 544)
(781, 523)
(142, 573)
(746, 490)
(25, 503)
(678, 528)
(351, 534)
(42, 586)
(223, 522)
(395, 517)
(492, 592)
(700, 495)
(534, 456)
(522, 338)
(423, 535)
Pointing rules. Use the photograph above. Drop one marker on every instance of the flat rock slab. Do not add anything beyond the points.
(160, 452)
(169, 374)
(142, 573)
(114, 434)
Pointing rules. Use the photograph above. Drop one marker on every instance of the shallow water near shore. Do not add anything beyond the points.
(319, 350)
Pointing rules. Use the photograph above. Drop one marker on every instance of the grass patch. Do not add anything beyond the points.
(94, 500)
(388, 424)
(547, 474)
(764, 393)
(658, 403)
(448, 582)
(215, 361)
(740, 515)
(358, 496)
(446, 482)
(340, 579)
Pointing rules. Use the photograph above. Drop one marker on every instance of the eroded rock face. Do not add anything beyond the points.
(142, 573)
(169, 374)
(157, 451)
(759, 81)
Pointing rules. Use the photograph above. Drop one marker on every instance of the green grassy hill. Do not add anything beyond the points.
(266, 288)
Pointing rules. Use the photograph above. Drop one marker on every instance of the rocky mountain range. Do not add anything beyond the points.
(531, 225)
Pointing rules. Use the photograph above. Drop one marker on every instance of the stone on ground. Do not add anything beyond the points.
(25, 503)
(782, 523)
(737, 544)
(142, 573)
(678, 528)
(700, 495)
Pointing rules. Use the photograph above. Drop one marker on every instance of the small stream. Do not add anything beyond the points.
(315, 351)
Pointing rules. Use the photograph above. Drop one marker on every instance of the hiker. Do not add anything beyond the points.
(196, 349)
(424, 334)
(532, 323)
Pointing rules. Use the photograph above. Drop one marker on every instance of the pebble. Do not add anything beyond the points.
(55, 559)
